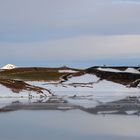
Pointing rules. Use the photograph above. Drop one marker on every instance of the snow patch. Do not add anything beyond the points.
(108, 69)
(131, 112)
(67, 71)
(86, 78)
(8, 93)
(132, 70)
(128, 70)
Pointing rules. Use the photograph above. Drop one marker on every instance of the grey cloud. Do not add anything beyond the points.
(126, 1)
(79, 48)
(21, 18)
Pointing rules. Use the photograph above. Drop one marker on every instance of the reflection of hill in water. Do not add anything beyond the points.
(126, 106)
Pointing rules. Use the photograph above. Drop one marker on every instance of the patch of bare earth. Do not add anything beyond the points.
(17, 86)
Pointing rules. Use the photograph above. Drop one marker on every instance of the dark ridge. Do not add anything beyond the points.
(116, 67)
(118, 77)
(35, 69)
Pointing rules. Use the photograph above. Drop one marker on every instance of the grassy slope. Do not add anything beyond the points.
(52, 74)
(34, 74)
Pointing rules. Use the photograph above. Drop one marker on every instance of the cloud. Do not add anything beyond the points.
(126, 1)
(73, 49)
(33, 20)
(69, 30)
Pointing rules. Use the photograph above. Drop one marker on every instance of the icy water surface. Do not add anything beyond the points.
(71, 116)
(67, 125)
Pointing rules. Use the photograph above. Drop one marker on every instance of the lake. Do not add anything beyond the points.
(67, 125)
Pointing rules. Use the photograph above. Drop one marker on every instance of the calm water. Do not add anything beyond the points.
(69, 125)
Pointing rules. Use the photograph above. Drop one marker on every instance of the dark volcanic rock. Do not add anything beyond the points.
(124, 78)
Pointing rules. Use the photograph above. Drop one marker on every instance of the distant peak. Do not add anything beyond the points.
(9, 66)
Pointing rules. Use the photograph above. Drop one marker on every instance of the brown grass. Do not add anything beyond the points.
(17, 86)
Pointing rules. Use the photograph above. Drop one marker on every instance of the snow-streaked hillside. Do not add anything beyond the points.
(89, 82)
(86, 88)
(128, 70)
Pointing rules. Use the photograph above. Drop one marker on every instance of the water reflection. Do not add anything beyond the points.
(125, 106)
(74, 124)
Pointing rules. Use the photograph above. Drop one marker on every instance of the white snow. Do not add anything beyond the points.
(67, 71)
(131, 112)
(132, 70)
(128, 70)
(7, 93)
(108, 69)
(107, 112)
(86, 78)
(7, 96)
(9, 66)
(92, 85)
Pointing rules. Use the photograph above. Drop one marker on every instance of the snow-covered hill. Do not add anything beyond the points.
(8, 66)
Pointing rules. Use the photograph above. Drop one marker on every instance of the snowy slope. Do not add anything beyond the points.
(86, 78)
(128, 70)
(91, 95)
(67, 71)
(132, 70)
(85, 83)
(7, 93)
(86, 90)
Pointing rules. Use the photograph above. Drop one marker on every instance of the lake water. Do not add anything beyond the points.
(67, 125)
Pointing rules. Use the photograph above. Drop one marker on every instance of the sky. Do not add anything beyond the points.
(77, 33)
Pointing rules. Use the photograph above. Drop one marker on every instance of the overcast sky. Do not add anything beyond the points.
(70, 32)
